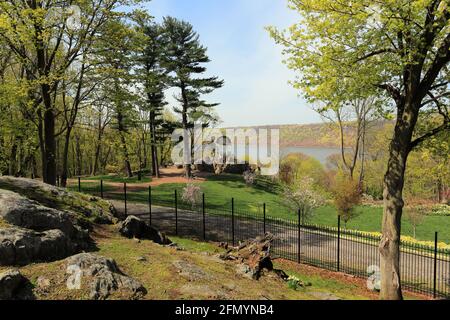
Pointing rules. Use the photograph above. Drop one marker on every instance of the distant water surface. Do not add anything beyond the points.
(319, 153)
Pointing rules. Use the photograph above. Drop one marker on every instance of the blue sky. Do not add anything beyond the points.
(256, 90)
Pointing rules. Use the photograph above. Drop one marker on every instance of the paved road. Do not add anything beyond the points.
(318, 248)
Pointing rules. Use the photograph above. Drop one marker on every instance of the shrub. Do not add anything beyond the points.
(346, 195)
(303, 197)
(192, 194)
(442, 210)
(297, 166)
(112, 169)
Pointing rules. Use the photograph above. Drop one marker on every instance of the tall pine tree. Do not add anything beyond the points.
(184, 58)
(154, 82)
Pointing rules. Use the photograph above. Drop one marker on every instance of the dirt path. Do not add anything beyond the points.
(168, 176)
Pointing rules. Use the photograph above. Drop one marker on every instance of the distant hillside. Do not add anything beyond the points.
(308, 135)
(313, 135)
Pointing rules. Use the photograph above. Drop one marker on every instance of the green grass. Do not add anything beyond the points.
(120, 179)
(220, 189)
(369, 219)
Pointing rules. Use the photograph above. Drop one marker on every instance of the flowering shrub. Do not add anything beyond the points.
(408, 239)
(442, 210)
(303, 197)
(295, 283)
(192, 194)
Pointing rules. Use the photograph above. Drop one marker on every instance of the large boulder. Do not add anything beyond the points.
(20, 211)
(133, 227)
(104, 277)
(20, 246)
(87, 207)
(11, 281)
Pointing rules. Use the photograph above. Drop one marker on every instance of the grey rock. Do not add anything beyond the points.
(99, 210)
(203, 292)
(244, 270)
(324, 296)
(20, 246)
(133, 227)
(191, 271)
(20, 211)
(43, 283)
(11, 282)
(141, 259)
(107, 276)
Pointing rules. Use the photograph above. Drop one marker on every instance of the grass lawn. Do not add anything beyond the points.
(220, 189)
(120, 179)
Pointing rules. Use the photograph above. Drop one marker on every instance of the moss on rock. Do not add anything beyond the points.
(88, 208)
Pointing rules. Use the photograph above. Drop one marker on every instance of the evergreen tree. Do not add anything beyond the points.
(184, 58)
(154, 80)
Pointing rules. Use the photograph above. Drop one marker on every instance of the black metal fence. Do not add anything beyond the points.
(424, 269)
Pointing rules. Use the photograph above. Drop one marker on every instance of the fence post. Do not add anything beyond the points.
(298, 237)
(232, 220)
(264, 213)
(79, 184)
(125, 196)
(435, 265)
(203, 212)
(339, 245)
(150, 205)
(101, 189)
(176, 213)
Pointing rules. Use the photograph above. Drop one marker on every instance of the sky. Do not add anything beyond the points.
(256, 90)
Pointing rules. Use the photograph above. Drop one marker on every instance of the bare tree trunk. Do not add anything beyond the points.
(187, 166)
(65, 165)
(12, 159)
(154, 149)
(98, 146)
(49, 162)
(123, 142)
(79, 156)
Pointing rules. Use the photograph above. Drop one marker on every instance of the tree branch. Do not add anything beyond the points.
(445, 126)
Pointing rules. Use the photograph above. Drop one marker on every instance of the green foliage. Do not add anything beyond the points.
(296, 167)
(346, 196)
(184, 59)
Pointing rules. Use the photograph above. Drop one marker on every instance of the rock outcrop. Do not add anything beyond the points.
(86, 207)
(133, 227)
(11, 281)
(103, 275)
(19, 246)
(22, 212)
